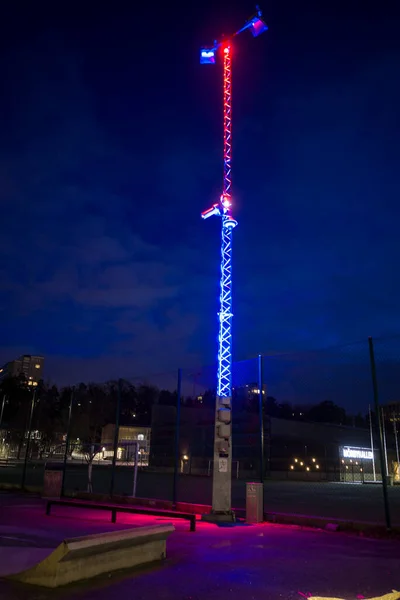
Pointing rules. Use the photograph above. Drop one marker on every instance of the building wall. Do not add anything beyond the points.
(126, 436)
(31, 367)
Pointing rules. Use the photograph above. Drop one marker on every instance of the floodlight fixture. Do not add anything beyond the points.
(214, 210)
(207, 56)
(257, 26)
(256, 23)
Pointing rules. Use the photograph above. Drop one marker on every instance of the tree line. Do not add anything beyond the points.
(94, 406)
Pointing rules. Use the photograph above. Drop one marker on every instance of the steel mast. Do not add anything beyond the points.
(221, 498)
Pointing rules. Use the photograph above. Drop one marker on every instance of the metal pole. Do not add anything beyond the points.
(28, 440)
(177, 436)
(372, 441)
(2, 410)
(136, 469)
(261, 415)
(116, 438)
(384, 441)
(378, 416)
(1, 417)
(67, 440)
(397, 446)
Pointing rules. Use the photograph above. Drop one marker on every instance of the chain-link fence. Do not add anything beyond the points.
(320, 428)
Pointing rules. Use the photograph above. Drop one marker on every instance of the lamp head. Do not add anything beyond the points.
(207, 56)
(257, 25)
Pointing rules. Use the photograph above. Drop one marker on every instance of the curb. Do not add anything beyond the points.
(332, 524)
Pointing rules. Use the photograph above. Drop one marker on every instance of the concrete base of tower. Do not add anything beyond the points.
(219, 516)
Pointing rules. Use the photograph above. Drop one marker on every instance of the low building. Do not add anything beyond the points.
(292, 449)
(128, 437)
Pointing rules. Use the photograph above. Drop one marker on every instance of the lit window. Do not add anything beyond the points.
(37, 366)
(34, 383)
(29, 382)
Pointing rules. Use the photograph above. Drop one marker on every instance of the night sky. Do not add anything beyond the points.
(110, 147)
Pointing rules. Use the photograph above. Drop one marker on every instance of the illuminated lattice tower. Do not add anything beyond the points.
(221, 502)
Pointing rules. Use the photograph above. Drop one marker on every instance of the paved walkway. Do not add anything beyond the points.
(267, 562)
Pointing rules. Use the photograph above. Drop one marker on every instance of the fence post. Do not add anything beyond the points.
(2, 410)
(396, 441)
(28, 440)
(384, 441)
(116, 438)
(372, 441)
(261, 415)
(67, 440)
(378, 417)
(177, 435)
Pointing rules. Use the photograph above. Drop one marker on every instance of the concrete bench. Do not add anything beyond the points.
(114, 509)
(87, 557)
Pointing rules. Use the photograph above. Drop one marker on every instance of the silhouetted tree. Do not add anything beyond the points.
(327, 412)
(271, 406)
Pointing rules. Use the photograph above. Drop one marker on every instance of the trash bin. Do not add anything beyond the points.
(254, 502)
(53, 476)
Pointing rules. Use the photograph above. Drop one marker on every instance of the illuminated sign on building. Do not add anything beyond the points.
(357, 453)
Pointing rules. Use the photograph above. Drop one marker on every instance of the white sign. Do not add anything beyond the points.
(358, 453)
(223, 465)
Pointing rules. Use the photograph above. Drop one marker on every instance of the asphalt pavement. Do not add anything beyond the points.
(266, 561)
